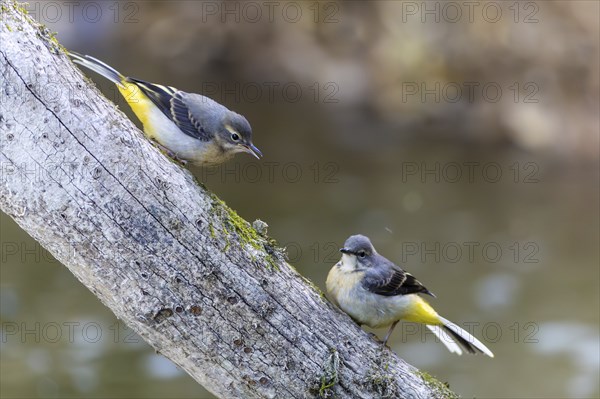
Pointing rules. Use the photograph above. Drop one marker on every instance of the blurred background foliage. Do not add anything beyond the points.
(463, 138)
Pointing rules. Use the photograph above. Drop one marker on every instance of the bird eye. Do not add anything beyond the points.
(235, 137)
(361, 254)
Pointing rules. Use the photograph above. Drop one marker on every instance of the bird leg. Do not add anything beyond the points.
(387, 336)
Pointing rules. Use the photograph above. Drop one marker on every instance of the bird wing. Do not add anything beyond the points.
(173, 104)
(391, 280)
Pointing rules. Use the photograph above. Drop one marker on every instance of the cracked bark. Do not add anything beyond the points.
(164, 254)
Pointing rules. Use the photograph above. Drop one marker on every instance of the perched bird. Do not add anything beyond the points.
(376, 292)
(190, 127)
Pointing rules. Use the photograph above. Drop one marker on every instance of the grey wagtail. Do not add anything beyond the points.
(376, 292)
(189, 126)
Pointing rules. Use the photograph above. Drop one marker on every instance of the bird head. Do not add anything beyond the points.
(358, 252)
(235, 135)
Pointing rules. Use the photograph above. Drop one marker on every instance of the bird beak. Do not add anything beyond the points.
(345, 251)
(252, 150)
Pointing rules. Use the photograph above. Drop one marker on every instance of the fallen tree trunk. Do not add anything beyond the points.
(184, 271)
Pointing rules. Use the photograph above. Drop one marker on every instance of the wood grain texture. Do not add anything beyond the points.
(170, 259)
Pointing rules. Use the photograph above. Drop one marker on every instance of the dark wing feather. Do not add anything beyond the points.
(170, 101)
(386, 284)
(412, 286)
(160, 95)
(392, 280)
(183, 118)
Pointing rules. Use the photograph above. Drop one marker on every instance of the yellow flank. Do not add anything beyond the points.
(421, 312)
(140, 104)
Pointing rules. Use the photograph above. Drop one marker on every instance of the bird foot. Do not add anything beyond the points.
(384, 344)
(374, 336)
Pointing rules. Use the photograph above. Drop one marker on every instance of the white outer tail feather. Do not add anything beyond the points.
(97, 66)
(445, 338)
(451, 344)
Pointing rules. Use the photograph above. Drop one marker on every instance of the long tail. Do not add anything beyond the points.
(452, 335)
(97, 66)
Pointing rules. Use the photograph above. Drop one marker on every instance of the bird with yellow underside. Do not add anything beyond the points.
(378, 293)
(189, 126)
